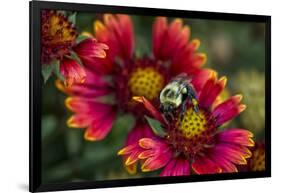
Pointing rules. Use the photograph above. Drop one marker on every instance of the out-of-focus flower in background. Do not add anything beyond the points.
(252, 83)
(221, 49)
(257, 161)
(195, 141)
(58, 39)
(58, 35)
(123, 76)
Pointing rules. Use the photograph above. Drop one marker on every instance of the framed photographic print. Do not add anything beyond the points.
(125, 96)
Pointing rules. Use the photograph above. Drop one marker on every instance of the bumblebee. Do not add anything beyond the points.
(175, 96)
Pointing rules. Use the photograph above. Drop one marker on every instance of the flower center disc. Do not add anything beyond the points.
(61, 30)
(58, 36)
(146, 82)
(190, 134)
(193, 124)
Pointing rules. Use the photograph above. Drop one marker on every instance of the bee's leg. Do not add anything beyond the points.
(170, 116)
(196, 109)
(195, 105)
(161, 108)
(183, 109)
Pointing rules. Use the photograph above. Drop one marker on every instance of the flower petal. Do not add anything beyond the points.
(127, 149)
(156, 162)
(168, 169)
(146, 154)
(211, 90)
(130, 157)
(176, 167)
(90, 106)
(91, 48)
(93, 55)
(100, 127)
(156, 153)
(231, 148)
(140, 130)
(94, 86)
(228, 109)
(148, 143)
(204, 165)
(200, 78)
(79, 121)
(72, 72)
(228, 152)
(188, 60)
(223, 163)
(236, 136)
(154, 112)
(158, 35)
(170, 42)
(131, 169)
(116, 32)
(98, 116)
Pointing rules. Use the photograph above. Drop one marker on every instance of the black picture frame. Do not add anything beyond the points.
(35, 184)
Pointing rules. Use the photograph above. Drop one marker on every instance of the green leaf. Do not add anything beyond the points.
(53, 67)
(156, 127)
(80, 38)
(56, 70)
(72, 18)
(75, 57)
(47, 70)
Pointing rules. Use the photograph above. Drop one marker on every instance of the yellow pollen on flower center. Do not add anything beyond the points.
(61, 30)
(258, 160)
(193, 124)
(147, 82)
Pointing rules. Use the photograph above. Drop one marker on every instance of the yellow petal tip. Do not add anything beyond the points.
(137, 98)
(87, 34)
(223, 80)
(242, 107)
(98, 26)
(88, 137)
(239, 97)
(131, 169)
(67, 102)
(121, 151)
(196, 43)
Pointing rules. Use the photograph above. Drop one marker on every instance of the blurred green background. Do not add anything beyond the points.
(234, 49)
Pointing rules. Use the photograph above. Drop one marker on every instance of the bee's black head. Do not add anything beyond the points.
(167, 108)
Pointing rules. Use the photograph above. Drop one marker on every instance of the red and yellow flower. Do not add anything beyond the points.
(194, 143)
(122, 75)
(58, 40)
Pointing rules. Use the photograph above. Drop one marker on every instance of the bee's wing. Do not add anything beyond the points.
(182, 78)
